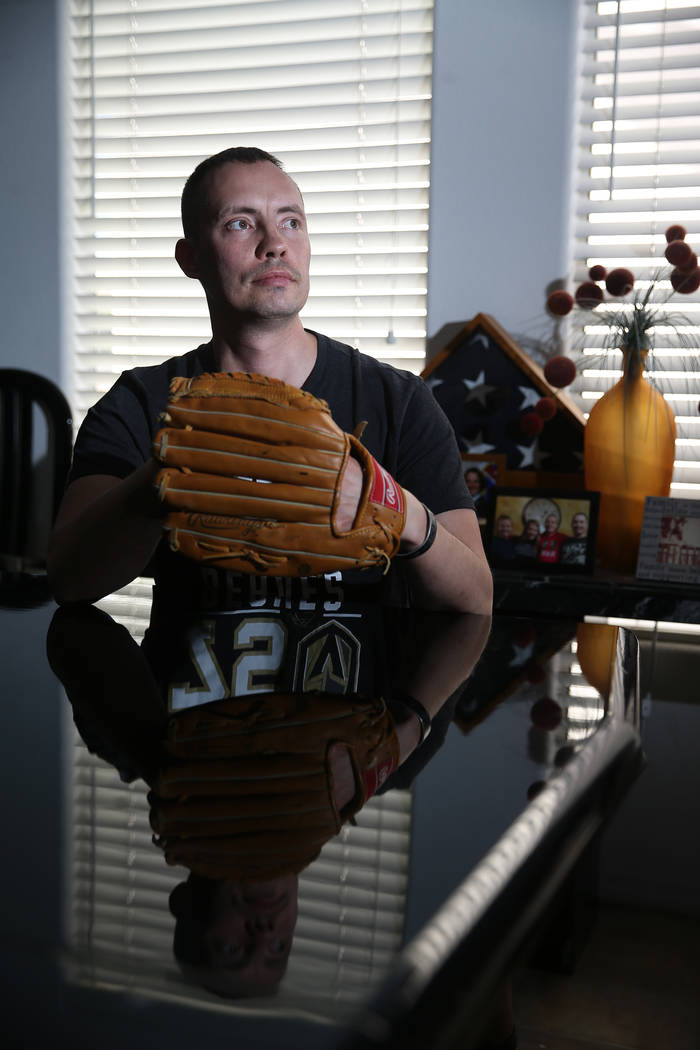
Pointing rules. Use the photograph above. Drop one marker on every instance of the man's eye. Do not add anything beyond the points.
(292, 223)
(238, 224)
(278, 947)
(226, 947)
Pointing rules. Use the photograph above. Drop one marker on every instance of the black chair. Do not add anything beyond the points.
(35, 453)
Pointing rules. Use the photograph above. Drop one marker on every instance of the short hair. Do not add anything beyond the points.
(191, 203)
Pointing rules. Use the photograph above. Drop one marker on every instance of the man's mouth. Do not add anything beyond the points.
(274, 277)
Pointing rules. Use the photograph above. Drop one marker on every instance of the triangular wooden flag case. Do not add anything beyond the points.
(485, 384)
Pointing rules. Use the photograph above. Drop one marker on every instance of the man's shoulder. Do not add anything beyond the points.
(191, 363)
(368, 365)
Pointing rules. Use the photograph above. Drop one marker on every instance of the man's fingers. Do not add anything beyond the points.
(350, 492)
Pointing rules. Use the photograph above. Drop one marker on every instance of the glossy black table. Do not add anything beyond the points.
(409, 923)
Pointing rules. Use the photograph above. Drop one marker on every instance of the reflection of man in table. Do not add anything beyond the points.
(502, 546)
(526, 544)
(573, 548)
(550, 542)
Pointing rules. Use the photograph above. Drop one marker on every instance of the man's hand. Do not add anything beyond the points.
(350, 495)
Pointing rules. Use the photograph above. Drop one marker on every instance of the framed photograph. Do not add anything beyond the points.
(669, 548)
(482, 474)
(544, 530)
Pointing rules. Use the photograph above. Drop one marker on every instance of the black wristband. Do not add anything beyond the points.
(417, 708)
(429, 537)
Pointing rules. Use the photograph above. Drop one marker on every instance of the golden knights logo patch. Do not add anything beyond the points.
(327, 660)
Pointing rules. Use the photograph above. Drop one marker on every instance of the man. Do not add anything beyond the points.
(574, 547)
(502, 547)
(526, 544)
(246, 241)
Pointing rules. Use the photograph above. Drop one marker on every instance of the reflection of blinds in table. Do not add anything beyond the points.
(119, 929)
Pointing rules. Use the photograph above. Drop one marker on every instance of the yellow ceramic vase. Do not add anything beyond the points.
(629, 447)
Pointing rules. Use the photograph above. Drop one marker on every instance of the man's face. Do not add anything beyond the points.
(532, 530)
(504, 527)
(473, 482)
(579, 526)
(249, 935)
(550, 523)
(252, 250)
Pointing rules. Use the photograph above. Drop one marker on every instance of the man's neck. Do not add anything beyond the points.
(286, 352)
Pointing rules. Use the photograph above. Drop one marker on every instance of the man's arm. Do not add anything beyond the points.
(105, 533)
(454, 573)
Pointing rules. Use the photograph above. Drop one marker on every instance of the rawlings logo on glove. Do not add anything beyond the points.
(252, 473)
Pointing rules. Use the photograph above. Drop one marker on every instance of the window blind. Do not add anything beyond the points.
(638, 171)
(340, 92)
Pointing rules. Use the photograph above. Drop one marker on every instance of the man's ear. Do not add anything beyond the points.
(186, 256)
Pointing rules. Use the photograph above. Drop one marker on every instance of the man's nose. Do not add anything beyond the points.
(271, 243)
(261, 922)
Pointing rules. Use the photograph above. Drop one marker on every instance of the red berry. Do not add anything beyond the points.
(597, 272)
(560, 370)
(531, 424)
(589, 295)
(689, 266)
(546, 407)
(560, 303)
(675, 233)
(619, 281)
(685, 283)
(546, 713)
(678, 253)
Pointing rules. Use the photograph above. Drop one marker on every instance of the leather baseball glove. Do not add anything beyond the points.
(246, 789)
(252, 470)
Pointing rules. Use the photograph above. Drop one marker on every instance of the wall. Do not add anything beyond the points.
(503, 83)
(31, 315)
(30, 186)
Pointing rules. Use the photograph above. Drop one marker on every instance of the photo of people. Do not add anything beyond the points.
(543, 531)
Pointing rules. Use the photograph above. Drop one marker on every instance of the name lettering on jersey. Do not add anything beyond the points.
(230, 590)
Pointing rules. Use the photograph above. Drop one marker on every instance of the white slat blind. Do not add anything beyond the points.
(339, 91)
(639, 171)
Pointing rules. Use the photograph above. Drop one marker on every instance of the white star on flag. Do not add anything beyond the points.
(530, 397)
(477, 444)
(528, 454)
(480, 337)
(522, 654)
(478, 388)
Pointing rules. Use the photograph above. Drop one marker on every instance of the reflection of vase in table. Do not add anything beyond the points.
(629, 445)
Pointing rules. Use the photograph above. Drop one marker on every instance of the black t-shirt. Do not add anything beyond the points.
(407, 432)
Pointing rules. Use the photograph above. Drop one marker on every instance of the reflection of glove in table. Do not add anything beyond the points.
(252, 471)
(246, 790)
